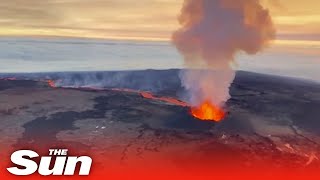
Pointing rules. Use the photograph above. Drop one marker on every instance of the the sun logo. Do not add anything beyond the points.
(64, 165)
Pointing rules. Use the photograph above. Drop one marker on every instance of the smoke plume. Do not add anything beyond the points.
(211, 33)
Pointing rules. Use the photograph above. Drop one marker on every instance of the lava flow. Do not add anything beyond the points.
(170, 100)
(51, 83)
(208, 111)
(8, 79)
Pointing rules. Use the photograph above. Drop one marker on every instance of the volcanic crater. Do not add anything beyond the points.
(270, 119)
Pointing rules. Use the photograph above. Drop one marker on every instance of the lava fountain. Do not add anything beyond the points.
(208, 111)
(212, 33)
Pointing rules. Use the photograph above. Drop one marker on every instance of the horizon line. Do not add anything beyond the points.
(280, 41)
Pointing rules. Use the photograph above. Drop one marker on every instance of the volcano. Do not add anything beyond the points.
(264, 126)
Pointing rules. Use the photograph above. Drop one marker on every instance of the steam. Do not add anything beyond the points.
(155, 81)
(211, 33)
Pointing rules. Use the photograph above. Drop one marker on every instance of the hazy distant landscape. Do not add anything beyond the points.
(65, 54)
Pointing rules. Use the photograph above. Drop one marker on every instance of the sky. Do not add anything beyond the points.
(295, 52)
(295, 20)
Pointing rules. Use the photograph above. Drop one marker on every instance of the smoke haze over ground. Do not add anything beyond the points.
(34, 55)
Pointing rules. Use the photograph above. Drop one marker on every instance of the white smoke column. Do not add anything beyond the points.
(211, 33)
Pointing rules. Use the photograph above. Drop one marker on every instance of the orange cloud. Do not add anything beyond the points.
(132, 19)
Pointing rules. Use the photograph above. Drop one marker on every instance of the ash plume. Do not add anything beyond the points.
(212, 32)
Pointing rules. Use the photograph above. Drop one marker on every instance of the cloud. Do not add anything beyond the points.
(31, 12)
(96, 17)
(131, 18)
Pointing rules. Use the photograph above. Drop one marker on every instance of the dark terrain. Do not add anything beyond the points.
(270, 119)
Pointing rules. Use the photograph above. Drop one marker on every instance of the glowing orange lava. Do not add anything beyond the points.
(51, 83)
(149, 95)
(208, 111)
(170, 100)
